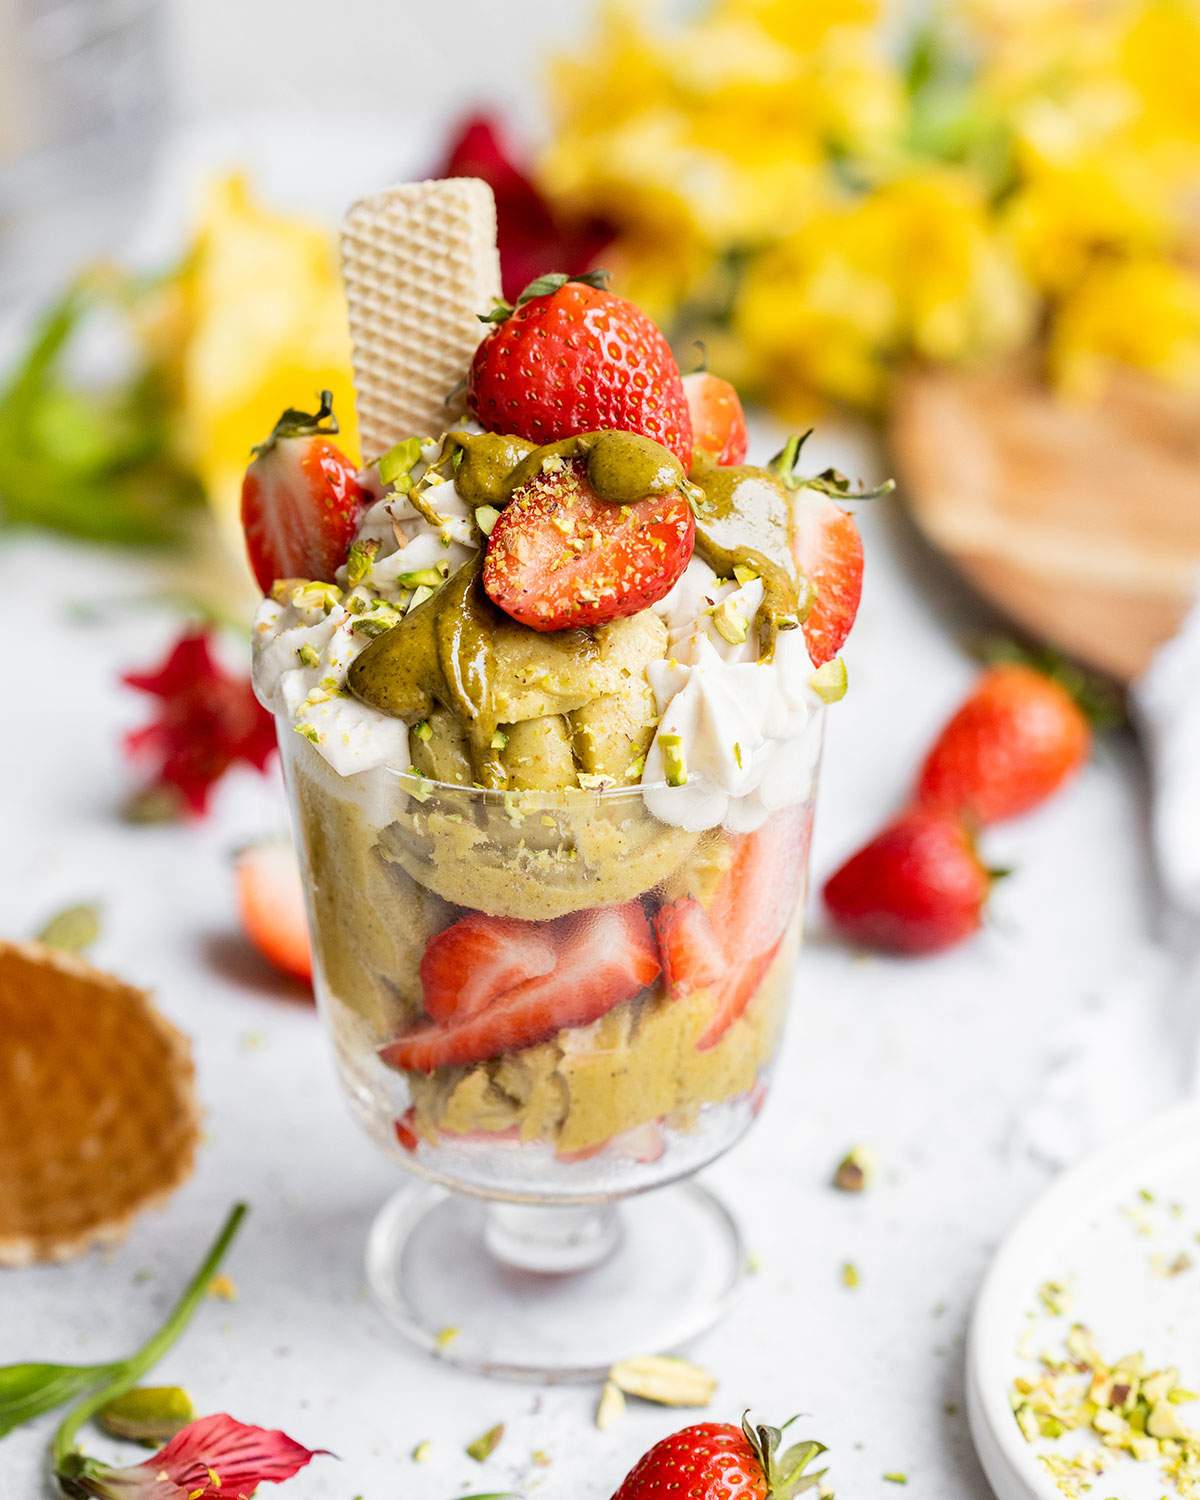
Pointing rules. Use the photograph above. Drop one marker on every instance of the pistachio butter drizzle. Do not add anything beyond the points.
(441, 652)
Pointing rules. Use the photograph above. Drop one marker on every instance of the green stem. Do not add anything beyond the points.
(130, 1371)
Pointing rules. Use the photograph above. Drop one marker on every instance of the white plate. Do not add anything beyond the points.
(1095, 1232)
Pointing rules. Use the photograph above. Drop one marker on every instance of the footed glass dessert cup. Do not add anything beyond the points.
(551, 1008)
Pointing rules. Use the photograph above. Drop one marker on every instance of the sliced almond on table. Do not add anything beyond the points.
(665, 1379)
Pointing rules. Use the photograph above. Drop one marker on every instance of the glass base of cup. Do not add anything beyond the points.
(553, 1293)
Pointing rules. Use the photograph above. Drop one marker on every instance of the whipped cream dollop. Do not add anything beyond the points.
(733, 733)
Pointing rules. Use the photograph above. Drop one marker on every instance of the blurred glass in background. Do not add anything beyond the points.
(82, 108)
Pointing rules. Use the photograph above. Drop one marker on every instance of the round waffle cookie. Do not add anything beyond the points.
(98, 1111)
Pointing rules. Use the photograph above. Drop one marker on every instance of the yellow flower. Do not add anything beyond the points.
(265, 323)
(911, 268)
(1144, 313)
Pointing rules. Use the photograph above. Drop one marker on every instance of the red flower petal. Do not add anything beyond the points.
(532, 238)
(207, 721)
(214, 1458)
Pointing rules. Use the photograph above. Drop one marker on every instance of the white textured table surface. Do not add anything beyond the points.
(936, 1064)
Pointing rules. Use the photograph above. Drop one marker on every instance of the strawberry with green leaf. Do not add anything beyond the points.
(572, 357)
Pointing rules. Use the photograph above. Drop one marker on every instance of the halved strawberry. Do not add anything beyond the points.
(467, 965)
(718, 421)
(301, 500)
(730, 945)
(604, 957)
(693, 955)
(559, 556)
(271, 904)
(828, 551)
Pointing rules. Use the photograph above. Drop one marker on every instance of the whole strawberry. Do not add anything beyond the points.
(917, 887)
(571, 357)
(718, 1461)
(1017, 738)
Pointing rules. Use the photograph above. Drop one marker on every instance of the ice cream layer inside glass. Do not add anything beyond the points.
(550, 730)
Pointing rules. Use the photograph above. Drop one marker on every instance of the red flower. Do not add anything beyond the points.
(533, 239)
(214, 1458)
(207, 722)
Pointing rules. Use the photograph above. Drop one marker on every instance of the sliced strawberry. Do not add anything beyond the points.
(718, 421)
(467, 965)
(693, 955)
(271, 904)
(604, 957)
(828, 551)
(559, 556)
(301, 500)
(729, 946)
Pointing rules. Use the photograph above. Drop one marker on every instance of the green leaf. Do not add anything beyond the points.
(828, 482)
(28, 1390)
(72, 930)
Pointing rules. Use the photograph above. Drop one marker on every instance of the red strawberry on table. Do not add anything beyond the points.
(560, 556)
(1018, 737)
(602, 957)
(301, 500)
(718, 1461)
(271, 905)
(729, 945)
(718, 421)
(478, 958)
(917, 887)
(571, 357)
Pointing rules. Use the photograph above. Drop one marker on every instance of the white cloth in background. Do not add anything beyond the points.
(1111, 1069)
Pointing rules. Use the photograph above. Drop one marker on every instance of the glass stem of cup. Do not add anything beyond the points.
(552, 1240)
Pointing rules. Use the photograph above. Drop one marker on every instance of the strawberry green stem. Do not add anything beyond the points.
(127, 1372)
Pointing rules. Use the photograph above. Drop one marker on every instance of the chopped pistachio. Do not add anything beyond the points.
(498, 740)
(1055, 1298)
(854, 1172)
(729, 622)
(482, 1447)
(421, 790)
(894, 1476)
(309, 655)
(308, 732)
(359, 560)
(422, 1452)
(323, 596)
(674, 761)
(149, 1414)
(664, 1378)
(850, 1275)
(419, 597)
(611, 1406)
(444, 1337)
(593, 781)
(829, 681)
(423, 730)
(635, 767)
(396, 465)
(378, 622)
(540, 1457)
(427, 578)
(486, 517)
(72, 930)
(744, 574)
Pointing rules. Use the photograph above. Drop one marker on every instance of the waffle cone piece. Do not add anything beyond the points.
(420, 264)
(98, 1112)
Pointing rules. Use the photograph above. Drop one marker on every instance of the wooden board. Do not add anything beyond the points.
(1081, 522)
